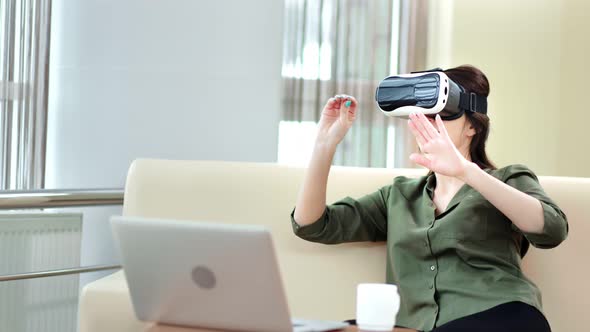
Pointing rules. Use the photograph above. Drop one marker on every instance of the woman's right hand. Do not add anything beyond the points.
(337, 117)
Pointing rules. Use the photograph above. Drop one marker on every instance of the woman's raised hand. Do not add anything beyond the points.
(337, 117)
(438, 152)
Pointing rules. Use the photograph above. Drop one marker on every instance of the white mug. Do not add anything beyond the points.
(376, 307)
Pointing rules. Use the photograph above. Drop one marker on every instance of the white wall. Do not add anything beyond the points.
(516, 43)
(573, 157)
(182, 79)
(535, 54)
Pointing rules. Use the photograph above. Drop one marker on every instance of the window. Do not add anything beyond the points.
(332, 47)
(24, 55)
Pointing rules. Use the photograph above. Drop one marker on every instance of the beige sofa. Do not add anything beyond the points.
(320, 280)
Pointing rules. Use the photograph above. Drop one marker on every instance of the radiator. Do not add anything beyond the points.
(39, 242)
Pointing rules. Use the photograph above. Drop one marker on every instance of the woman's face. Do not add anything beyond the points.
(460, 131)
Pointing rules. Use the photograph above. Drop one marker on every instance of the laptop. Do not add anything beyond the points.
(204, 274)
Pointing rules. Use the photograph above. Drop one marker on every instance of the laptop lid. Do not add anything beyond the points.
(202, 274)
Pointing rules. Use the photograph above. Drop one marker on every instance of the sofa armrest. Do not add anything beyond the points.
(105, 305)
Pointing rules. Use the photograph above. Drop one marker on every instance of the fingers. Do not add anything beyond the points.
(344, 109)
(335, 102)
(424, 126)
(420, 127)
(332, 108)
(441, 126)
(429, 126)
(353, 102)
(347, 105)
(342, 99)
(418, 134)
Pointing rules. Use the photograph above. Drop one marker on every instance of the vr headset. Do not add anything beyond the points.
(429, 92)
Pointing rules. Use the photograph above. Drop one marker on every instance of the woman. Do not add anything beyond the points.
(456, 236)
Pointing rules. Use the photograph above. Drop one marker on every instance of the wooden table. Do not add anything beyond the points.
(166, 328)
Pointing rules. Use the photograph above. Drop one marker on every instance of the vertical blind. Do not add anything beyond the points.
(24, 60)
(346, 47)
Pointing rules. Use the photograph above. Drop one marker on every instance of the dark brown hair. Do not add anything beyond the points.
(474, 80)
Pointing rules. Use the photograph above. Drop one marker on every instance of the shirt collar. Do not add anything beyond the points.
(431, 183)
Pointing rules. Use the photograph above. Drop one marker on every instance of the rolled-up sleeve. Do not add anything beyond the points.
(349, 220)
(555, 227)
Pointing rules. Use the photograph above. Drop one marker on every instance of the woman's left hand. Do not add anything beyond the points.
(438, 152)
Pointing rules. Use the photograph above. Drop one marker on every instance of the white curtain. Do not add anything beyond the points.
(24, 59)
(347, 47)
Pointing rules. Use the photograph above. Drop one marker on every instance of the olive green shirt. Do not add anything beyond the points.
(463, 261)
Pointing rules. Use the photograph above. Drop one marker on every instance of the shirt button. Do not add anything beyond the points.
(432, 267)
(431, 286)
